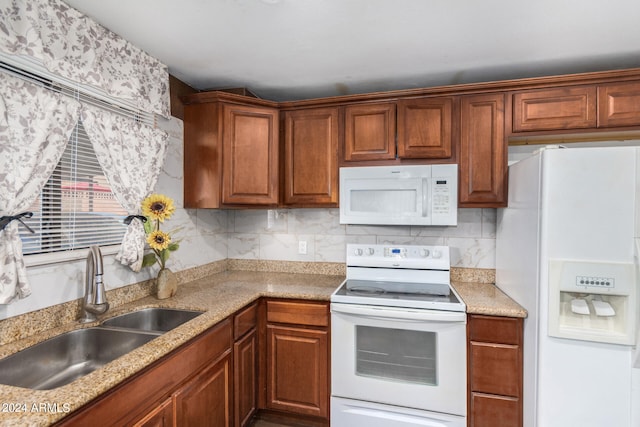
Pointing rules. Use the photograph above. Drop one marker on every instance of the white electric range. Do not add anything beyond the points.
(398, 340)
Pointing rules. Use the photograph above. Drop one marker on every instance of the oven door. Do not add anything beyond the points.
(406, 357)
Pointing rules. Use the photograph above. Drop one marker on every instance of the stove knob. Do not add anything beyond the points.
(437, 254)
(424, 253)
(358, 252)
(370, 251)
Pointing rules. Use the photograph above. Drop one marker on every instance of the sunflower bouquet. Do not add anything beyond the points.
(157, 208)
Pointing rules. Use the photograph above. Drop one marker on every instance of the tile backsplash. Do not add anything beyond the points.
(276, 234)
(269, 235)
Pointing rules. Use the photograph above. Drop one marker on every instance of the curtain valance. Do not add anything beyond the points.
(72, 45)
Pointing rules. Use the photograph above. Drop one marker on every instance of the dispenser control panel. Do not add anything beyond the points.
(596, 282)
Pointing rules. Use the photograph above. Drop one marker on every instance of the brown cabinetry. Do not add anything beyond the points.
(425, 128)
(230, 152)
(310, 160)
(191, 386)
(249, 155)
(206, 400)
(162, 416)
(494, 371)
(619, 104)
(245, 365)
(370, 132)
(297, 358)
(483, 151)
(554, 109)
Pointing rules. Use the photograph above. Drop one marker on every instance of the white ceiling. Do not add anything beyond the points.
(299, 49)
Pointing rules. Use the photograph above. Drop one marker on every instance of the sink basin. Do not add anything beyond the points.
(152, 319)
(66, 357)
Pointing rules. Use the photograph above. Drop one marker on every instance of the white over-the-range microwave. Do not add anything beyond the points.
(399, 195)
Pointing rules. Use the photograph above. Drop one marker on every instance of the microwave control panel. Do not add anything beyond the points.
(441, 189)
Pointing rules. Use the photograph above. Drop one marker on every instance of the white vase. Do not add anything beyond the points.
(167, 284)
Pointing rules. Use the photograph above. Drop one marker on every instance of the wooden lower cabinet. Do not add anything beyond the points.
(213, 380)
(494, 371)
(191, 383)
(295, 362)
(162, 416)
(205, 401)
(297, 370)
(245, 366)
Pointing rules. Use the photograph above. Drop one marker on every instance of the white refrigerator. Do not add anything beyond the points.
(566, 251)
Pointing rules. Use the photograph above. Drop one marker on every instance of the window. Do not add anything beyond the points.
(76, 208)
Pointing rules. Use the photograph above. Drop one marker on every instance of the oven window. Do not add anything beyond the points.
(396, 354)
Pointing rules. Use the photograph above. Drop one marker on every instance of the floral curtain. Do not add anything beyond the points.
(35, 125)
(131, 155)
(72, 45)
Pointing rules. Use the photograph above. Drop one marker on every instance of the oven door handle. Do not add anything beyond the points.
(400, 315)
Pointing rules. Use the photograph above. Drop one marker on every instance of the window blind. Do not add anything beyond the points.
(76, 208)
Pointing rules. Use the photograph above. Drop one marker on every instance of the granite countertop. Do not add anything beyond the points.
(219, 295)
(488, 299)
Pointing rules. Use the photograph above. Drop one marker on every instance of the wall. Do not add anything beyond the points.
(212, 235)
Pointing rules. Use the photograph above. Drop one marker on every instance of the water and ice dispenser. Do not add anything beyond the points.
(592, 301)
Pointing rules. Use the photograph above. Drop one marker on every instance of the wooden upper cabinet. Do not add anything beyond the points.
(202, 157)
(619, 104)
(424, 128)
(250, 155)
(483, 151)
(310, 160)
(554, 109)
(369, 132)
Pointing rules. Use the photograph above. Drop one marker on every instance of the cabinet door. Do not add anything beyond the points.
(202, 160)
(297, 370)
(619, 105)
(250, 155)
(483, 151)
(205, 401)
(555, 109)
(370, 132)
(424, 128)
(162, 416)
(311, 157)
(245, 379)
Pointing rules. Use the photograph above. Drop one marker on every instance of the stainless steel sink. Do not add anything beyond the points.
(152, 319)
(66, 357)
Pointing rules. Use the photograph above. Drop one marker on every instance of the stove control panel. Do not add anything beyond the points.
(400, 256)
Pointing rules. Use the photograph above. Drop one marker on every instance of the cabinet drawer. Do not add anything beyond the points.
(299, 313)
(245, 320)
(555, 109)
(487, 410)
(495, 368)
(502, 330)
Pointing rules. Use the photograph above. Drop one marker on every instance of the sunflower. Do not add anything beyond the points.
(158, 240)
(158, 207)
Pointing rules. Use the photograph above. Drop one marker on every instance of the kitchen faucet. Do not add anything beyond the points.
(95, 299)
